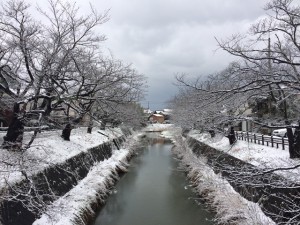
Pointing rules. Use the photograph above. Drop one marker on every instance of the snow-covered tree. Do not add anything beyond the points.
(37, 60)
(56, 65)
(268, 67)
(200, 104)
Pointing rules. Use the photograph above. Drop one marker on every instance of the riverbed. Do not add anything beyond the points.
(154, 191)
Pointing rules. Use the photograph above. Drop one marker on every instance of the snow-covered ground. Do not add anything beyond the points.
(47, 149)
(259, 155)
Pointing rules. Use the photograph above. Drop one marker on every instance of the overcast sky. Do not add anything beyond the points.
(164, 37)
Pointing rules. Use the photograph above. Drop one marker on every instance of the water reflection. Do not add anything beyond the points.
(153, 192)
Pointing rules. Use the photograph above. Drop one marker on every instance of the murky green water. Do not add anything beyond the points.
(153, 192)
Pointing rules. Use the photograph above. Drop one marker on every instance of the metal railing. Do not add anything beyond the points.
(272, 141)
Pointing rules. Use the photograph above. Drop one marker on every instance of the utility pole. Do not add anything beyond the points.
(269, 55)
(270, 71)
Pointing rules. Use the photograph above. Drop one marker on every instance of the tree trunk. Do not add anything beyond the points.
(290, 137)
(104, 120)
(14, 136)
(90, 127)
(66, 132)
(296, 143)
(231, 136)
(103, 125)
(46, 105)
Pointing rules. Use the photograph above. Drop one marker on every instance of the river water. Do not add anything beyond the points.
(153, 192)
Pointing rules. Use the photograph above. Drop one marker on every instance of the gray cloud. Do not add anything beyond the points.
(165, 37)
(149, 13)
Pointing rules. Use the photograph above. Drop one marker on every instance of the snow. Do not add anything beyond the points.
(48, 149)
(157, 127)
(229, 205)
(158, 115)
(264, 157)
(67, 208)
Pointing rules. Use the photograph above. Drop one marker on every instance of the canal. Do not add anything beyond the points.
(153, 192)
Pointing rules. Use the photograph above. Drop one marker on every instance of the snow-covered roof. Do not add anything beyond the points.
(159, 111)
(158, 115)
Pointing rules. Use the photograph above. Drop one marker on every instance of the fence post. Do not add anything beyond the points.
(254, 138)
(248, 136)
(282, 143)
(262, 140)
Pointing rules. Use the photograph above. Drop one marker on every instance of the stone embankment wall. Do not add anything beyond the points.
(55, 181)
(278, 198)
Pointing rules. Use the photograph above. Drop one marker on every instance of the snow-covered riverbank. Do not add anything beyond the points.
(48, 149)
(230, 206)
(51, 167)
(91, 191)
(79, 204)
(264, 157)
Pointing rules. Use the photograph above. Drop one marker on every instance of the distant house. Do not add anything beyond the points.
(156, 118)
(160, 116)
